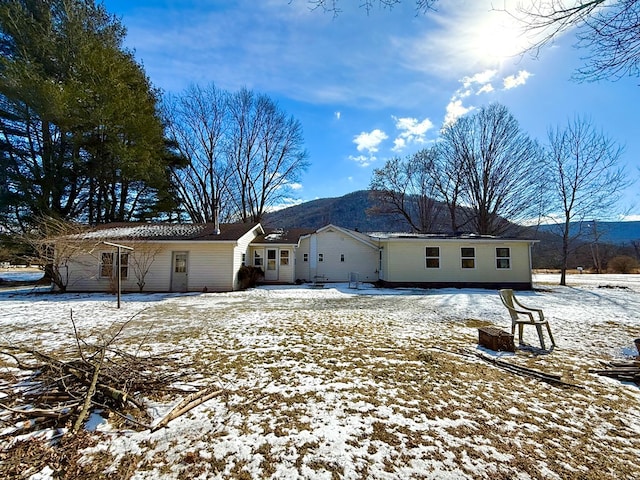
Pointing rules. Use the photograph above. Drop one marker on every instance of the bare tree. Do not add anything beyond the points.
(333, 6)
(499, 170)
(586, 178)
(607, 30)
(197, 124)
(52, 245)
(407, 187)
(265, 153)
(141, 260)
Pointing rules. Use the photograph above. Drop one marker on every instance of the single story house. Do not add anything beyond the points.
(163, 257)
(204, 257)
(465, 261)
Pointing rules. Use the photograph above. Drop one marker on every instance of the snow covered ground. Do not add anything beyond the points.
(369, 383)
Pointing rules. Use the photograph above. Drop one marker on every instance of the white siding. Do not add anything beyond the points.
(333, 243)
(405, 261)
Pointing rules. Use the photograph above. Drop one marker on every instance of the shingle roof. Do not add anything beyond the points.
(167, 231)
(290, 236)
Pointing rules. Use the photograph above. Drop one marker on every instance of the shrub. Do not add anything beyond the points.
(622, 264)
(249, 276)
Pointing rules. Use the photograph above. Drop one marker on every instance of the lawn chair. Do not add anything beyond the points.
(521, 316)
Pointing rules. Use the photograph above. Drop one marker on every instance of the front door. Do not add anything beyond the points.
(271, 269)
(179, 273)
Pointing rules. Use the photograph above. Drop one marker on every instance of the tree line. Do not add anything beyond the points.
(85, 137)
(485, 175)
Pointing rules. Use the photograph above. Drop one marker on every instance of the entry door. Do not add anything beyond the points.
(271, 269)
(180, 273)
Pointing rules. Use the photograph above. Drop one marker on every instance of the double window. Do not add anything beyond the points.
(108, 261)
(432, 255)
(503, 258)
(468, 257)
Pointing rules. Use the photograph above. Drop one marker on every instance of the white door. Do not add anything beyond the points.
(271, 268)
(179, 272)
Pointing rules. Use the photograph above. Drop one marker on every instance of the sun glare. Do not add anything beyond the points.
(498, 38)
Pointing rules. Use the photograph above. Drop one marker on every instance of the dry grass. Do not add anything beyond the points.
(362, 387)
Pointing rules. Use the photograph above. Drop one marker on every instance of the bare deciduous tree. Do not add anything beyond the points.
(607, 30)
(499, 169)
(587, 181)
(265, 153)
(141, 259)
(407, 187)
(53, 245)
(198, 123)
(333, 6)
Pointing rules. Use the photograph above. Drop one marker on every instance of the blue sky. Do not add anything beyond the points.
(368, 87)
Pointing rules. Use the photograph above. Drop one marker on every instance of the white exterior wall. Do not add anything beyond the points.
(213, 265)
(404, 260)
(332, 243)
(241, 248)
(285, 273)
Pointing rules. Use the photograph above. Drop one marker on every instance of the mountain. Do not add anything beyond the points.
(349, 211)
(616, 233)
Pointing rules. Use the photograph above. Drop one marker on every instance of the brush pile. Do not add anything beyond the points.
(42, 391)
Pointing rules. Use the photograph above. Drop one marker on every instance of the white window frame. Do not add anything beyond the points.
(284, 257)
(124, 268)
(502, 258)
(305, 257)
(467, 258)
(431, 257)
(258, 260)
(321, 257)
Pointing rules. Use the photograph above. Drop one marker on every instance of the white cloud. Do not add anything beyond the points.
(513, 81)
(363, 160)
(371, 141)
(295, 186)
(338, 115)
(455, 110)
(412, 131)
(487, 88)
(482, 77)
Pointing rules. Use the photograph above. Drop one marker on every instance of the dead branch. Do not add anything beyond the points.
(187, 404)
(89, 396)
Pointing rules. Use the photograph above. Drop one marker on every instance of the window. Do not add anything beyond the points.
(284, 257)
(321, 257)
(271, 259)
(106, 264)
(257, 259)
(433, 257)
(305, 257)
(342, 257)
(468, 256)
(503, 257)
(244, 259)
(180, 263)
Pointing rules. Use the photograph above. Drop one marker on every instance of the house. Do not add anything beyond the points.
(275, 253)
(330, 253)
(201, 257)
(464, 261)
(164, 257)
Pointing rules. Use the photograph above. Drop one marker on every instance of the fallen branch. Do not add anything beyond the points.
(551, 378)
(89, 396)
(186, 404)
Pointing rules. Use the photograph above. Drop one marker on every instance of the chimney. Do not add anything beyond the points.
(216, 223)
